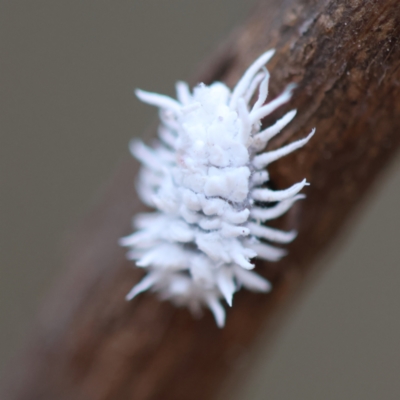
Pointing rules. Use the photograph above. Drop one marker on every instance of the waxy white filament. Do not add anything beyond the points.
(203, 178)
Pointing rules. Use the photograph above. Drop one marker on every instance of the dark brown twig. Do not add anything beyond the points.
(90, 344)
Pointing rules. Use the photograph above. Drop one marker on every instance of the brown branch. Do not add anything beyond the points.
(90, 344)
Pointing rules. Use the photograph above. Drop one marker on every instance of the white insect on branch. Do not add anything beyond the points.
(203, 178)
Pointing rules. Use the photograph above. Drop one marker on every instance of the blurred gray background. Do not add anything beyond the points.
(68, 70)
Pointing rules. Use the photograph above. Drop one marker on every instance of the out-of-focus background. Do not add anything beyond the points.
(67, 112)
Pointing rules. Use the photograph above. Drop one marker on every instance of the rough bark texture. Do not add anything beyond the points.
(90, 344)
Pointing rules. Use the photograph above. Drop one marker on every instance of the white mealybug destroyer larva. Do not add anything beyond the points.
(205, 178)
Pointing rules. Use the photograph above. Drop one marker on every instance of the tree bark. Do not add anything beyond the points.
(91, 344)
